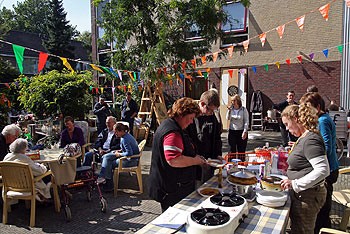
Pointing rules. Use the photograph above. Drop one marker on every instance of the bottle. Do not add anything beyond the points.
(220, 178)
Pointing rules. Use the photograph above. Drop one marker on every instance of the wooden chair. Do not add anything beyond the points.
(18, 183)
(331, 231)
(342, 197)
(136, 169)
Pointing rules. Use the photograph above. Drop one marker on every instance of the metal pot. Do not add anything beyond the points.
(244, 174)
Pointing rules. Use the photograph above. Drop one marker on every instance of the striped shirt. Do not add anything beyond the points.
(173, 145)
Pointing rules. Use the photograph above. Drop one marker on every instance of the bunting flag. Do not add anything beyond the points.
(113, 72)
(205, 74)
(208, 70)
(200, 73)
(96, 68)
(278, 65)
(183, 65)
(135, 77)
(325, 52)
(90, 88)
(312, 56)
(300, 22)
(215, 56)
(113, 89)
(171, 82)
(288, 61)
(42, 61)
(66, 64)
(254, 69)
(164, 70)
(102, 89)
(340, 47)
(280, 30)
(19, 54)
(120, 74)
(266, 67)
(182, 76)
(243, 71)
(324, 11)
(204, 60)
(230, 72)
(245, 45)
(106, 70)
(178, 78)
(132, 78)
(262, 39)
(230, 51)
(193, 62)
(300, 58)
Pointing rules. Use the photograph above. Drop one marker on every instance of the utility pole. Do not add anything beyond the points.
(94, 53)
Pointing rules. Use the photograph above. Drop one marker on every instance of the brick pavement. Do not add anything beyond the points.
(127, 213)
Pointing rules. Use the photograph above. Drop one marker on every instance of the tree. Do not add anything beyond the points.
(151, 34)
(6, 17)
(85, 38)
(55, 92)
(59, 34)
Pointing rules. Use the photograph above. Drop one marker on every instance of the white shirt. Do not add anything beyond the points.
(107, 143)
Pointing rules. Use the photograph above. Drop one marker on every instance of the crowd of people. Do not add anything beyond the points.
(191, 135)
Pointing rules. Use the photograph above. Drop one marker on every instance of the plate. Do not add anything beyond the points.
(207, 191)
(271, 196)
(216, 162)
(270, 204)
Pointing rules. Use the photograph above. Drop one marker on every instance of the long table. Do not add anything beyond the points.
(260, 219)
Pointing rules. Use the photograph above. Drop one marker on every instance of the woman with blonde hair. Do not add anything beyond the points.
(239, 123)
(173, 172)
(308, 167)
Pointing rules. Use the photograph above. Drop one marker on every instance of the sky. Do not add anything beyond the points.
(78, 12)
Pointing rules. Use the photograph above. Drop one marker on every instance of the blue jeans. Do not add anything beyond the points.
(109, 162)
(88, 159)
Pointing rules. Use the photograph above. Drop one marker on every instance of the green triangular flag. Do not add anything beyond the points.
(340, 48)
(205, 74)
(106, 70)
(266, 67)
(19, 52)
(90, 88)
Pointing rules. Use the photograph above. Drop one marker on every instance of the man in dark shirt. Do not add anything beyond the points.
(129, 111)
(101, 110)
(8, 135)
(286, 136)
(205, 132)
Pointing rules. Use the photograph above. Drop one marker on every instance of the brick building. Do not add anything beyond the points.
(264, 16)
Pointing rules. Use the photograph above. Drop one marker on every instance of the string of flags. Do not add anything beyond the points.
(135, 76)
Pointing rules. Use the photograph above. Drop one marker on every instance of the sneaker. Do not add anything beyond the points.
(101, 180)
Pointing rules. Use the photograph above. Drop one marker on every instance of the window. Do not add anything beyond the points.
(194, 33)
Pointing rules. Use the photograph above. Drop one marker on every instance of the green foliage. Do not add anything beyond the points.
(151, 33)
(85, 38)
(59, 34)
(7, 72)
(55, 92)
(6, 17)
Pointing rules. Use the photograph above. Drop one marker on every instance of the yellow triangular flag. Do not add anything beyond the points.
(66, 64)
(277, 64)
(96, 68)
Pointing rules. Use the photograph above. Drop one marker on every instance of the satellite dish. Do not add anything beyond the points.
(232, 90)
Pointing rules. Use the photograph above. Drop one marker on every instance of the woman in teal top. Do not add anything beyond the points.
(327, 129)
(128, 146)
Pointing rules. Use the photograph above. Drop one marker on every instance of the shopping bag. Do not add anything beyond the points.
(64, 171)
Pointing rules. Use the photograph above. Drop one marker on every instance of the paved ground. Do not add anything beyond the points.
(127, 213)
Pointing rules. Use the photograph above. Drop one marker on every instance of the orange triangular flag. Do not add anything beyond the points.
(300, 58)
(230, 51)
(215, 56)
(324, 11)
(200, 73)
(300, 22)
(208, 70)
(262, 39)
(245, 45)
(230, 72)
(193, 62)
(66, 64)
(204, 59)
(280, 30)
(171, 82)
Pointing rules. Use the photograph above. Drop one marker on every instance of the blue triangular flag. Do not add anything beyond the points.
(325, 52)
(182, 76)
(254, 69)
(113, 72)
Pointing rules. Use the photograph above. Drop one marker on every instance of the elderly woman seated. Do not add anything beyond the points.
(17, 154)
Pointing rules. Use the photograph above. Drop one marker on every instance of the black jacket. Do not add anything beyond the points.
(102, 137)
(4, 148)
(164, 179)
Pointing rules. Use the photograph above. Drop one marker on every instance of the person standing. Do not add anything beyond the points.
(307, 168)
(286, 136)
(101, 110)
(129, 111)
(173, 172)
(205, 132)
(327, 129)
(239, 123)
(8, 135)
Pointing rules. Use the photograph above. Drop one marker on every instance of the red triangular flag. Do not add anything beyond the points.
(204, 59)
(280, 30)
(324, 11)
(42, 61)
(300, 22)
(230, 72)
(288, 61)
(300, 58)
(183, 65)
(193, 62)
